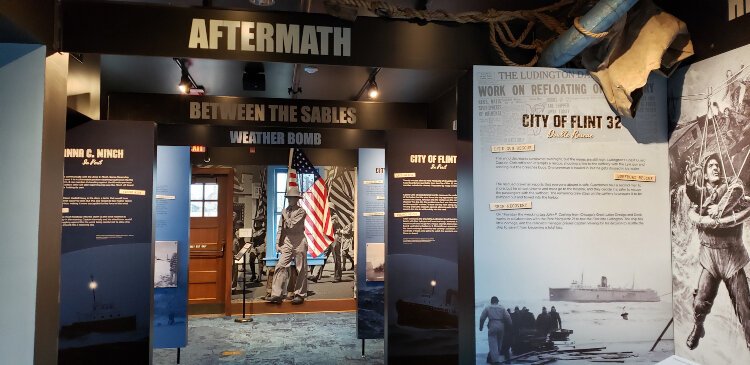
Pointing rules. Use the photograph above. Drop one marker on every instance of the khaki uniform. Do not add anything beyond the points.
(292, 244)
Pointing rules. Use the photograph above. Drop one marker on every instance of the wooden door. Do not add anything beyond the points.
(210, 225)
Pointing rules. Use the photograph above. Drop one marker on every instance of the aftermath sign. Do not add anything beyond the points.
(272, 36)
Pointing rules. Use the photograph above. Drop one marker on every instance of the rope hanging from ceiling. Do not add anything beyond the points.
(500, 35)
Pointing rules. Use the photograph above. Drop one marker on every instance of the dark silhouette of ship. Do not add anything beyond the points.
(428, 311)
(602, 293)
(103, 318)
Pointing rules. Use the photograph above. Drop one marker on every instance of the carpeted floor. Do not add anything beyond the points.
(319, 338)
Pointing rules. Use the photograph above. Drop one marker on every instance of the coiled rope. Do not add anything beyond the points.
(500, 33)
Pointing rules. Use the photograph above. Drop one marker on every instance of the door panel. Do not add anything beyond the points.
(207, 268)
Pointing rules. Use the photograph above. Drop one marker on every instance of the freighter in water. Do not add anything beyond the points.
(603, 293)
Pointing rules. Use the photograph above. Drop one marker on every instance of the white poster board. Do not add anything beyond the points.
(571, 211)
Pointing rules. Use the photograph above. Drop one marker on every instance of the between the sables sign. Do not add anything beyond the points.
(737, 8)
(267, 37)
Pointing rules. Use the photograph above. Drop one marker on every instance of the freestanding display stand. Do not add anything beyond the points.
(243, 252)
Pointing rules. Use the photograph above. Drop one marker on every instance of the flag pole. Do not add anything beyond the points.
(291, 153)
(289, 167)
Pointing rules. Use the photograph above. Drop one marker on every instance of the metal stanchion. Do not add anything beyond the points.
(244, 291)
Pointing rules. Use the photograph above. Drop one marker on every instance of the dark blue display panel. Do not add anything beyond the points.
(370, 242)
(171, 252)
(421, 248)
(106, 278)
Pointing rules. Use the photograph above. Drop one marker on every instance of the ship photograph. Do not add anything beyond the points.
(429, 311)
(610, 320)
(602, 293)
(423, 315)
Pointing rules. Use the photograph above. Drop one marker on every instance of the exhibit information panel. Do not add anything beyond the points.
(171, 250)
(422, 252)
(571, 229)
(708, 157)
(370, 243)
(106, 277)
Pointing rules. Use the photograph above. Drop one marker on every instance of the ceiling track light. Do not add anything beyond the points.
(370, 87)
(187, 84)
(372, 91)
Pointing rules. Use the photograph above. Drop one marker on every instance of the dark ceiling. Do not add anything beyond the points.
(140, 74)
(220, 77)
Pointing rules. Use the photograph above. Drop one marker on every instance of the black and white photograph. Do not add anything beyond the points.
(375, 261)
(591, 318)
(710, 206)
(165, 264)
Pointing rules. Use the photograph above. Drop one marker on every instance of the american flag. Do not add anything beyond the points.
(318, 227)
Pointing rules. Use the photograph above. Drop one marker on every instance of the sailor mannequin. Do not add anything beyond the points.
(292, 245)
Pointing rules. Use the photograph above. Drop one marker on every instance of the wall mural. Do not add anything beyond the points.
(708, 156)
(334, 278)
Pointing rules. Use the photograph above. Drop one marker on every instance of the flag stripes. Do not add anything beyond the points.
(342, 196)
(318, 227)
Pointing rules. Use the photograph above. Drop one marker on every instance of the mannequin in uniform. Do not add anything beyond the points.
(292, 245)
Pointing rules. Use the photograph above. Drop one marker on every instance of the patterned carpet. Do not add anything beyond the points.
(320, 338)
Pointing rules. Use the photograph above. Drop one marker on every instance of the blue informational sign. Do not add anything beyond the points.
(370, 243)
(422, 251)
(171, 252)
(106, 281)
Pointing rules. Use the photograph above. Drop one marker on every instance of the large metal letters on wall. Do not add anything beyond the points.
(107, 28)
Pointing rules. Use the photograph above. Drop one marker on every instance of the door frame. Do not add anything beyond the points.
(228, 196)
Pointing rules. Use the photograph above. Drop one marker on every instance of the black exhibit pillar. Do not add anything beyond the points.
(106, 265)
(421, 281)
(465, 221)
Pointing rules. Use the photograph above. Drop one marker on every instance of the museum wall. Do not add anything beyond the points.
(21, 142)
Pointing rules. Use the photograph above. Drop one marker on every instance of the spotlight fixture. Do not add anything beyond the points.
(184, 85)
(187, 84)
(372, 91)
(370, 86)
